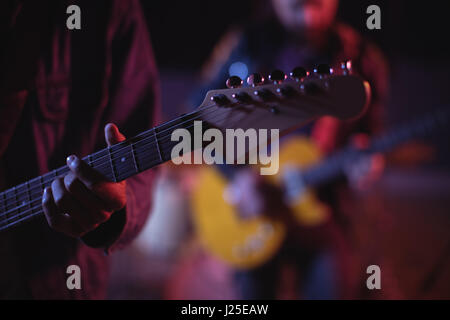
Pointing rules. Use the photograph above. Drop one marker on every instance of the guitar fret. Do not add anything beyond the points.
(8, 199)
(113, 170)
(16, 198)
(157, 145)
(27, 184)
(136, 166)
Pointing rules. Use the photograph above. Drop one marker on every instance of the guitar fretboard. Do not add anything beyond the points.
(115, 163)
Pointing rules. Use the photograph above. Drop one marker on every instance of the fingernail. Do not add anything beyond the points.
(71, 160)
(46, 193)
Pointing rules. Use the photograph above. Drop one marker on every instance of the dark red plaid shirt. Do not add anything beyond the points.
(58, 88)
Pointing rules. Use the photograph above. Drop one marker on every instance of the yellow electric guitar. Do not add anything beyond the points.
(249, 242)
(245, 242)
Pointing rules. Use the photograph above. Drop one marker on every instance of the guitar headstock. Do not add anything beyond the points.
(283, 101)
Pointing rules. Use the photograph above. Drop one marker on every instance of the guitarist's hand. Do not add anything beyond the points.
(81, 201)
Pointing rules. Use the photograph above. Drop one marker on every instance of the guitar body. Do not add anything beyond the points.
(250, 242)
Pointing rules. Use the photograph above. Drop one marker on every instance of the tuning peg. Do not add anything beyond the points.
(298, 73)
(234, 82)
(323, 70)
(277, 76)
(255, 79)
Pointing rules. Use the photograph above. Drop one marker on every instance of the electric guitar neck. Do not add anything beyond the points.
(278, 103)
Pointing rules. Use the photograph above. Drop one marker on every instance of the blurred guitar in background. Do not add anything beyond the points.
(248, 242)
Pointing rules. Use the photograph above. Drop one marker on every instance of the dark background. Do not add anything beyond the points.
(184, 32)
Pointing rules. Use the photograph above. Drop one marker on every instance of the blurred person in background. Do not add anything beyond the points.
(304, 33)
(58, 90)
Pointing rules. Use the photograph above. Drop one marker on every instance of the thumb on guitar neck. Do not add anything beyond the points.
(113, 135)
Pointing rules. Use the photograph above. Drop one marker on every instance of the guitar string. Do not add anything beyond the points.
(28, 215)
(36, 207)
(144, 154)
(151, 134)
(104, 165)
(115, 152)
(147, 144)
(148, 154)
(100, 167)
(108, 164)
(147, 133)
(153, 161)
(29, 203)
